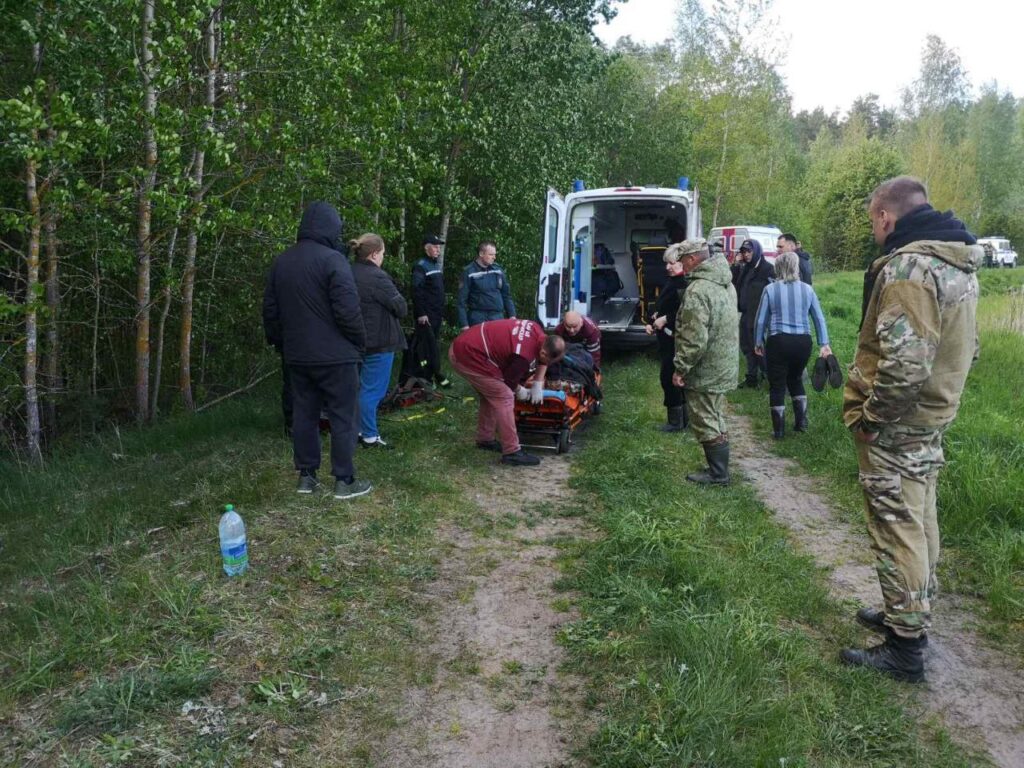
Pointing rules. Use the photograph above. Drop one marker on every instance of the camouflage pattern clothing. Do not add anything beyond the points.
(916, 346)
(707, 329)
(707, 347)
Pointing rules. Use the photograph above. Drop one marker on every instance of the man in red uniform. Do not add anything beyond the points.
(577, 329)
(496, 357)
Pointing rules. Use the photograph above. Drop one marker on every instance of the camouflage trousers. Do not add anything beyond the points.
(707, 416)
(898, 475)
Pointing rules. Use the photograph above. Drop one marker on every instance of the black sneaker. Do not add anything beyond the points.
(520, 459)
(308, 484)
(376, 442)
(343, 490)
(489, 445)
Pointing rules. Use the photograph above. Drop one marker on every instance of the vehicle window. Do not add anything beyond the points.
(1003, 245)
(638, 238)
(553, 220)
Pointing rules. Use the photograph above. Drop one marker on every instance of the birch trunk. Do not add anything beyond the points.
(143, 248)
(188, 280)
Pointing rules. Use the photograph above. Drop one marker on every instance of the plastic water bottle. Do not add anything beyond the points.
(232, 542)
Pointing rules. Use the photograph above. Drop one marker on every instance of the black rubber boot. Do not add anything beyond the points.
(717, 472)
(800, 413)
(675, 417)
(898, 657)
(874, 619)
(778, 422)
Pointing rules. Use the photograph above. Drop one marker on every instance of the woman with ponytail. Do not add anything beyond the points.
(383, 309)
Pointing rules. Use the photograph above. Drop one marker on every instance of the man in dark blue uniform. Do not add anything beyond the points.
(484, 292)
(428, 297)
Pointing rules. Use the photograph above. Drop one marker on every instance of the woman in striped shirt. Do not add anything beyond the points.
(782, 315)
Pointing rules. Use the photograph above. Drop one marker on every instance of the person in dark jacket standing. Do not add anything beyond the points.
(788, 243)
(311, 311)
(754, 277)
(662, 325)
(484, 292)
(428, 296)
(383, 309)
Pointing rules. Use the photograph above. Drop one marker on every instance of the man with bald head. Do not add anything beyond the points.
(577, 329)
(918, 340)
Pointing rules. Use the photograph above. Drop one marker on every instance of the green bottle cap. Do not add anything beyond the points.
(228, 507)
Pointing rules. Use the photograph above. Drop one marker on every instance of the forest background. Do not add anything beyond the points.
(157, 154)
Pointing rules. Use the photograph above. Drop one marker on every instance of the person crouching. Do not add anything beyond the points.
(496, 357)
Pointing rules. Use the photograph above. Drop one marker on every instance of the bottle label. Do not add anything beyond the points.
(235, 557)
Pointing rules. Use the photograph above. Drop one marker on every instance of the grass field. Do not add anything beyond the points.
(706, 639)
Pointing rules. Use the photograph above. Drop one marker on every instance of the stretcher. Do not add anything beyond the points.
(566, 405)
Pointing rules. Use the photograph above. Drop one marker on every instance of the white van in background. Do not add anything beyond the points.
(731, 238)
(603, 253)
(998, 252)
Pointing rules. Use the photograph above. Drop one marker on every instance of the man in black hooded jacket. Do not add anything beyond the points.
(311, 313)
(754, 278)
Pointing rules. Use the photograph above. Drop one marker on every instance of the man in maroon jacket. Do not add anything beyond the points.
(496, 357)
(577, 329)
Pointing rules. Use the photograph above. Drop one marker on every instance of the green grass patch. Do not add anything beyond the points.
(709, 640)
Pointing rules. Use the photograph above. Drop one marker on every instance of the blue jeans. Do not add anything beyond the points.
(374, 377)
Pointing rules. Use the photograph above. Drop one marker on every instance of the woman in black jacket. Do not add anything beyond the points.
(662, 325)
(383, 308)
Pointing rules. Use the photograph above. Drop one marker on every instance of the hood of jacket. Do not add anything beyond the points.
(322, 224)
(966, 258)
(715, 270)
(926, 223)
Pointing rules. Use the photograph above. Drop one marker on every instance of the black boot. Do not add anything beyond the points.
(874, 619)
(800, 413)
(676, 416)
(898, 657)
(717, 472)
(778, 421)
(749, 382)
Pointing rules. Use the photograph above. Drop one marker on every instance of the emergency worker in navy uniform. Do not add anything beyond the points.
(428, 296)
(484, 291)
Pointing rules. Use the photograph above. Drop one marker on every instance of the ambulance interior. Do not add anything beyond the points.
(617, 253)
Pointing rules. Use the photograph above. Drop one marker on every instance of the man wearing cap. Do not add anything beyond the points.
(484, 292)
(706, 360)
(754, 278)
(428, 296)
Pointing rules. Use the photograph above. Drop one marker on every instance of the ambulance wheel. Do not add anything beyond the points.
(563, 440)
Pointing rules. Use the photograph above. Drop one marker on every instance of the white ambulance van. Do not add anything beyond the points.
(603, 252)
(730, 239)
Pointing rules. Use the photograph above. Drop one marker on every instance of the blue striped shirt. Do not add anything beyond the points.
(784, 308)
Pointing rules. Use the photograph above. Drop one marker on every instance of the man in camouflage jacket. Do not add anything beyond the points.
(706, 361)
(918, 340)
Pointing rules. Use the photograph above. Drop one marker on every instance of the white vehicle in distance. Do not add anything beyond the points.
(730, 239)
(603, 252)
(998, 252)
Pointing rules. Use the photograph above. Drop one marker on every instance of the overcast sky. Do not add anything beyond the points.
(841, 49)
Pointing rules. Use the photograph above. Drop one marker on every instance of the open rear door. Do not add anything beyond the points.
(550, 289)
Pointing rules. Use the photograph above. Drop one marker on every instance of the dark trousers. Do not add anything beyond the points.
(787, 355)
(674, 396)
(435, 325)
(287, 404)
(334, 388)
(755, 364)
